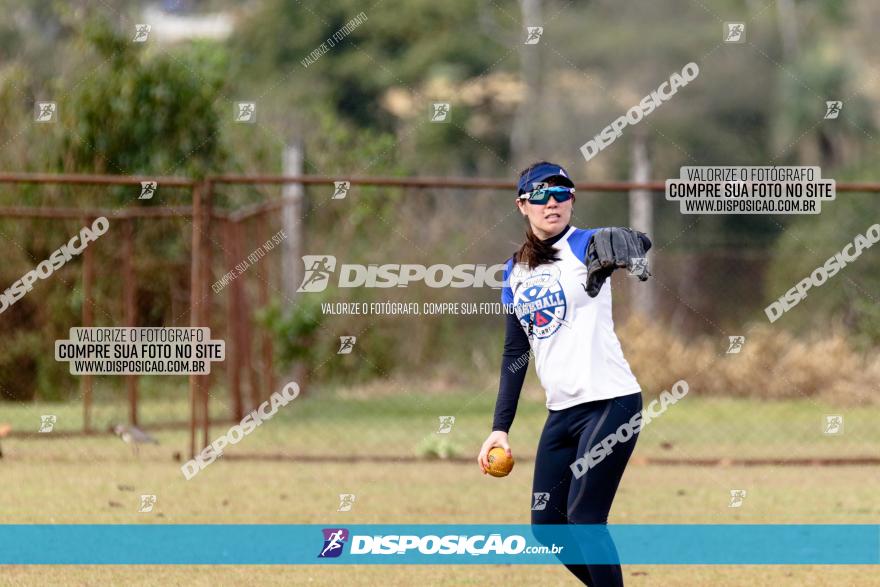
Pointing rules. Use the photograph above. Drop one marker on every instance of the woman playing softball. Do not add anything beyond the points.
(562, 315)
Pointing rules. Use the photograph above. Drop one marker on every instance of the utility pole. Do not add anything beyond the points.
(641, 217)
(291, 222)
(522, 135)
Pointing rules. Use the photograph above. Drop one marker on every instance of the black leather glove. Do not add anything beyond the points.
(612, 248)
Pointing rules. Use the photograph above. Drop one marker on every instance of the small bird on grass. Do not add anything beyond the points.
(133, 436)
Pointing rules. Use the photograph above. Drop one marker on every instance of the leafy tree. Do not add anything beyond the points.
(143, 112)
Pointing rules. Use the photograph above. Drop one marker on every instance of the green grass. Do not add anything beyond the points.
(397, 424)
(98, 480)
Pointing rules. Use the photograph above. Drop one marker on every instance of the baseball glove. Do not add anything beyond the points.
(612, 248)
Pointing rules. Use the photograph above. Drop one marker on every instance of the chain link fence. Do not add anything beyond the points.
(409, 371)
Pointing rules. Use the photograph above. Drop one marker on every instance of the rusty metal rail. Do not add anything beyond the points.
(202, 214)
(402, 182)
(92, 179)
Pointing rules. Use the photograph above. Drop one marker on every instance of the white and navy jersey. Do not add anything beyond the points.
(577, 354)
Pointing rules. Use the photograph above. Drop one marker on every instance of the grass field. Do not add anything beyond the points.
(98, 480)
(347, 422)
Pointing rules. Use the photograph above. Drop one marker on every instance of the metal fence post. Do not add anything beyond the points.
(88, 277)
(266, 338)
(205, 306)
(233, 341)
(129, 290)
(194, 292)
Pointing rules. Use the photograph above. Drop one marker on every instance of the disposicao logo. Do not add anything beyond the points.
(319, 268)
(334, 540)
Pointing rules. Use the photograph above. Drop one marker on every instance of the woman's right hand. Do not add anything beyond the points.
(497, 438)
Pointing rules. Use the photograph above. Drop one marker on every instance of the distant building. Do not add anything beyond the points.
(175, 22)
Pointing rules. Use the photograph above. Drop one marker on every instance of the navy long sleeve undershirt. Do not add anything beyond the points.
(514, 365)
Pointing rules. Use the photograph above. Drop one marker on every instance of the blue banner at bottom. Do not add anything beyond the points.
(674, 544)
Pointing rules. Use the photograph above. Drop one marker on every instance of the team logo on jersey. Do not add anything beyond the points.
(539, 301)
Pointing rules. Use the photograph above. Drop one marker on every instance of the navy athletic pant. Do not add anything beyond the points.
(569, 434)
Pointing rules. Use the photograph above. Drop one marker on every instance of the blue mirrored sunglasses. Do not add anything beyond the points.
(541, 196)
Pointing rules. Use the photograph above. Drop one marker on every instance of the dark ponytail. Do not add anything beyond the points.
(534, 251)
